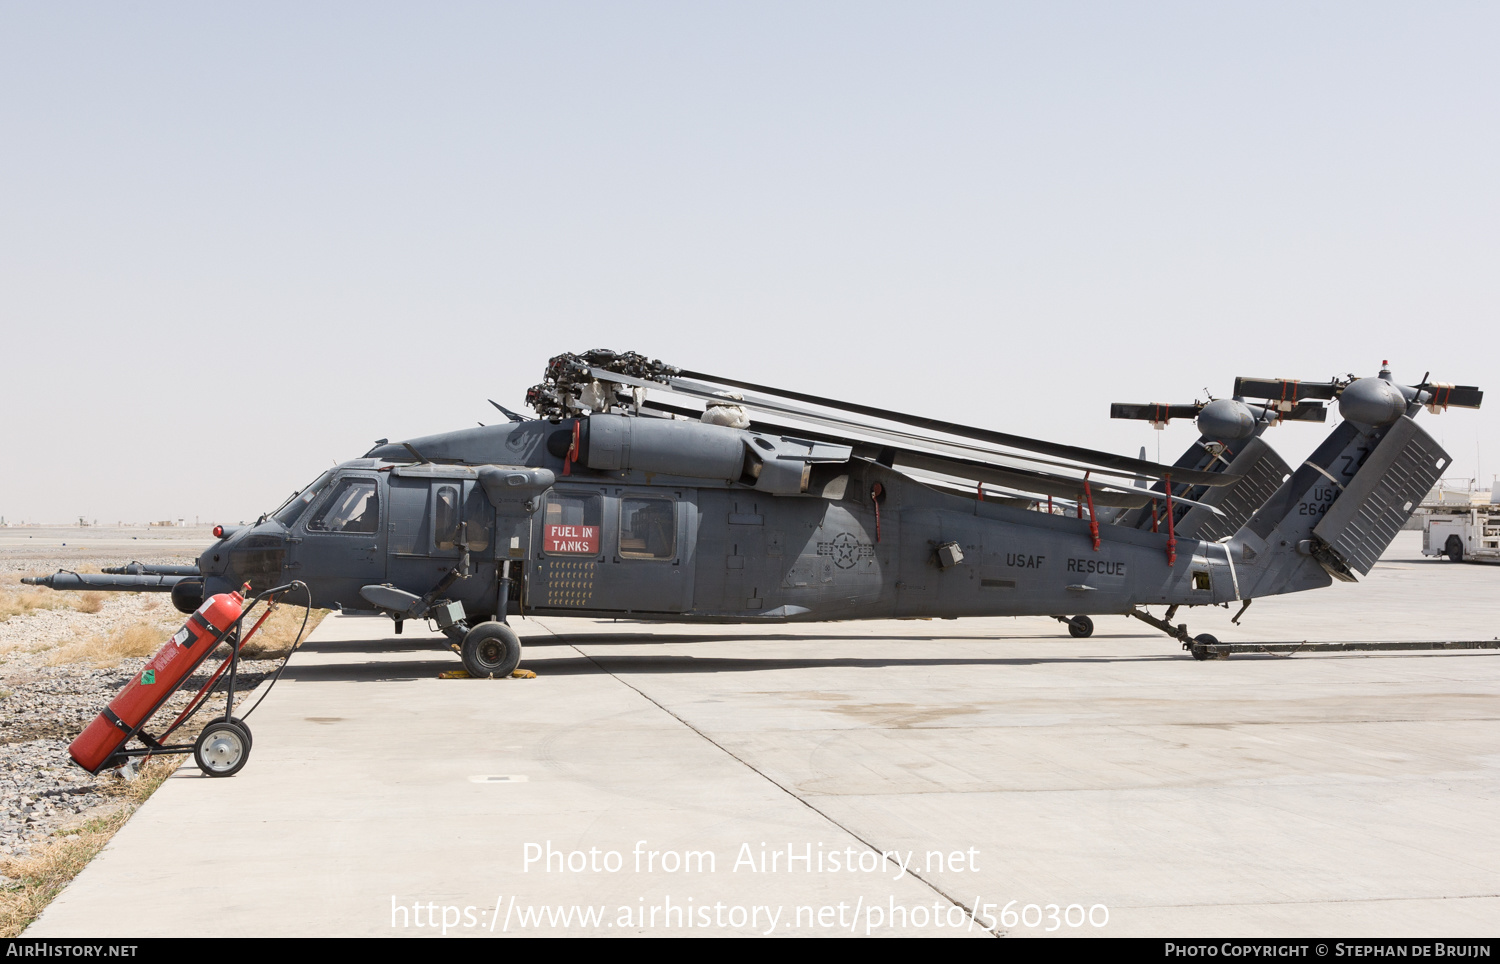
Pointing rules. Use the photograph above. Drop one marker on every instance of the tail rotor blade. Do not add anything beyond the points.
(1458, 396)
(1306, 412)
(1153, 411)
(1284, 389)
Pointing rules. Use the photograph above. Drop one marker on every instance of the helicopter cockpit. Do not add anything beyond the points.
(289, 510)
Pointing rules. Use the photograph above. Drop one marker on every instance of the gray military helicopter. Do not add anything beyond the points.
(617, 502)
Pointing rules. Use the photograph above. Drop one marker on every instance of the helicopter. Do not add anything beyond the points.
(729, 501)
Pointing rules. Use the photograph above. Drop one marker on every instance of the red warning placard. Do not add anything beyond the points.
(583, 540)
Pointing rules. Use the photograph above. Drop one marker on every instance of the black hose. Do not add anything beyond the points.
(306, 613)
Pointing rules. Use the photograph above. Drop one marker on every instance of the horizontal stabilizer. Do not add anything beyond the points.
(1370, 511)
(1261, 473)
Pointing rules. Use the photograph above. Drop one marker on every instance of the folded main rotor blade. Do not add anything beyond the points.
(1012, 478)
(875, 438)
(889, 439)
(1023, 480)
(1122, 465)
(1017, 479)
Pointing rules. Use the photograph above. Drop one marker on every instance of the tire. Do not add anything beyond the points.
(1080, 627)
(249, 737)
(1454, 548)
(222, 748)
(1200, 648)
(491, 650)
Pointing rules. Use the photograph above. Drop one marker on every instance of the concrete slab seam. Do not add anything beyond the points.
(970, 911)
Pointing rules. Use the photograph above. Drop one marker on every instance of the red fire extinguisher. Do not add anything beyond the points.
(157, 681)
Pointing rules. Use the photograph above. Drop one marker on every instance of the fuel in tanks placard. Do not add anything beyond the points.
(580, 539)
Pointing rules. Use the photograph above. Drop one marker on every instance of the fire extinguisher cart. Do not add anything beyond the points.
(223, 746)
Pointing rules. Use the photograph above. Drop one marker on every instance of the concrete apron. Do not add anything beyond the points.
(1111, 777)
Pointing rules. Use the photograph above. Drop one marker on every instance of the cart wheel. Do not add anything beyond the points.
(491, 650)
(222, 748)
(249, 737)
(1080, 627)
(1454, 549)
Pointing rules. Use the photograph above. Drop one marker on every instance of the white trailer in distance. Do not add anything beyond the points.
(1464, 526)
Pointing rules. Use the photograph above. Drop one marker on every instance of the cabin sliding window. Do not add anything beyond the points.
(571, 525)
(648, 528)
(477, 515)
(353, 507)
(445, 511)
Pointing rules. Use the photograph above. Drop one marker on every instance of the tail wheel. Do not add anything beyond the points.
(1080, 627)
(1454, 547)
(491, 650)
(1200, 648)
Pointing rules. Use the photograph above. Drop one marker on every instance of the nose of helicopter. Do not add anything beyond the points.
(255, 554)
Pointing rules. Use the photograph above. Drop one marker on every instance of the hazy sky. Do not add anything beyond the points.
(239, 242)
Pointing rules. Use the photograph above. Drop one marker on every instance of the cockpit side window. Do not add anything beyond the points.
(292, 508)
(353, 507)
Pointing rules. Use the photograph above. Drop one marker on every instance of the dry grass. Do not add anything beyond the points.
(90, 602)
(37, 879)
(17, 599)
(145, 637)
(275, 638)
(19, 602)
(152, 773)
(107, 650)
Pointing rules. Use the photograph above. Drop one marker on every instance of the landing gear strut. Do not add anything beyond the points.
(1202, 647)
(491, 649)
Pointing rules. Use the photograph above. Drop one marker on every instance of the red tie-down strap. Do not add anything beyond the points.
(572, 455)
(1093, 520)
(876, 491)
(1171, 528)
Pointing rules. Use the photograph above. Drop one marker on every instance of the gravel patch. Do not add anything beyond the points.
(44, 707)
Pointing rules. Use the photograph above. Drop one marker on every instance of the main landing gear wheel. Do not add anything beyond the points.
(1080, 627)
(491, 650)
(1200, 648)
(1454, 547)
(222, 748)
